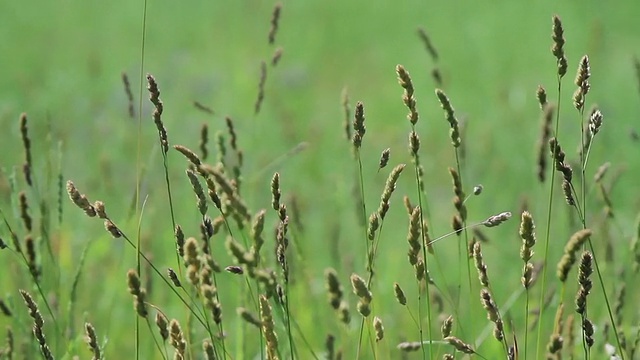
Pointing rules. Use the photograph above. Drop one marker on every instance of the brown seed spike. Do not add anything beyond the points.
(154, 97)
(450, 117)
(26, 143)
(558, 43)
(261, 84)
(358, 125)
(422, 33)
(129, 94)
(275, 19)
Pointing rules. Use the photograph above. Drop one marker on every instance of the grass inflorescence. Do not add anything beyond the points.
(222, 261)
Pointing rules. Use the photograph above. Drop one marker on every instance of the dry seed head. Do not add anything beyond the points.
(4, 309)
(154, 96)
(555, 344)
(198, 190)
(541, 94)
(378, 328)
(190, 155)
(456, 224)
(268, 328)
(127, 91)
(360, 288)
(422, 33)
(588, 330)
(528, 236)
(578, 99)
(329, 345)
(450, 117)
(601, 172)
(545, 133)
(262, 82)
(558, 37)
(577, 240)
(404, 79)
(233, 137)
(568, 259)
(38, 325)
(209, 351)
(277, 55)
(583, 75)
(32, 262)
(100, 210)
(414, 144)
(24, 211)
(568, 194)
(492, 313)
(413, 238)
(247, 316)
(179, 234)
(496, 220)
(558, 44)
(163, 325)
(174, 278)
(92, 340)
(275, 192)
(407, 204)
(585, 270)
(437, 76)
(112, 229)
(459, 345)
(139, 294)
(527, 275)
(275, 18)
(446, 327)
(26, 142)
(347, 113)
(79, 199)
(204, 141)
(409, 346)
(374, 223)
(480, 265)
(399, 294)
(237, 270)
(595, 122)
(389, 187)
(191, 251)
(205, 109)
(358, 126)
(177, 338)
(419, 269)
(384, 158)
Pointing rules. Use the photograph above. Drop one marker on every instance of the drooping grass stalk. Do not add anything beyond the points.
(82, 202)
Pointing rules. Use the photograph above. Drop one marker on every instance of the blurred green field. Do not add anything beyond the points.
(62, 65)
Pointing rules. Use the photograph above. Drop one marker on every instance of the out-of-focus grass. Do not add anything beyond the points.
(62, 65)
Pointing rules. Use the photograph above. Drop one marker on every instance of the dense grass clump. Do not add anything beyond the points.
(261, 235)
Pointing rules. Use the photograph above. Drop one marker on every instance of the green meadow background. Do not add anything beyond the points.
(62, 64)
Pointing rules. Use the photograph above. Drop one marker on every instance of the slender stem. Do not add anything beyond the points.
(548, 230)
(138, 156)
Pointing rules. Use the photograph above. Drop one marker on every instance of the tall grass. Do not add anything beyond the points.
(238, 281)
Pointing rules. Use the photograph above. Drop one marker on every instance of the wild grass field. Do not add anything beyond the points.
(235, 206)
